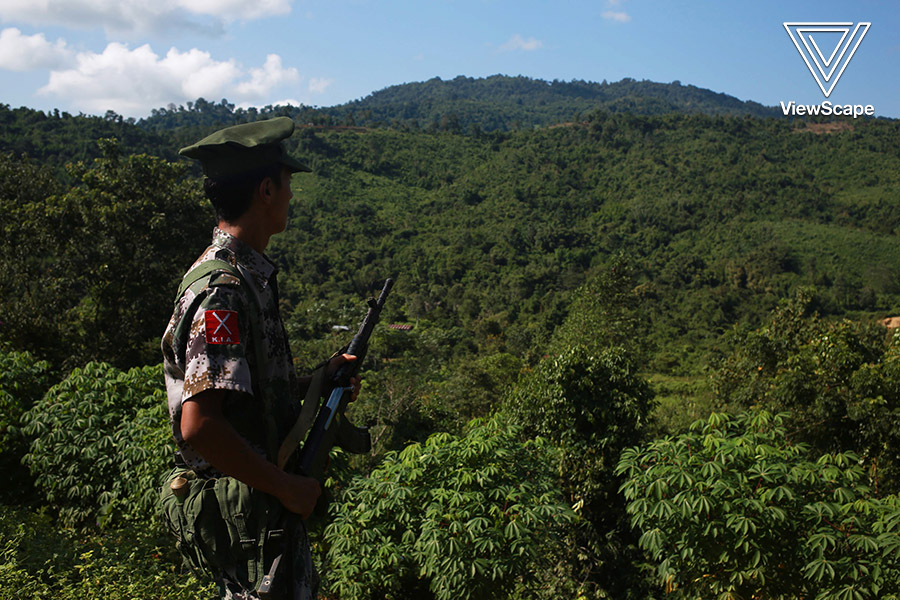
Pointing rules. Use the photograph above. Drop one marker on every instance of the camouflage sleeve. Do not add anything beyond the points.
(218, 344)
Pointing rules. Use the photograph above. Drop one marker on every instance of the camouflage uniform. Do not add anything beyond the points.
(216, 352)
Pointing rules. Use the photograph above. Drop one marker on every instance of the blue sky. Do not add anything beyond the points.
(134, 55)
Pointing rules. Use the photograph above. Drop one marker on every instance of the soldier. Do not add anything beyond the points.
(232, 390)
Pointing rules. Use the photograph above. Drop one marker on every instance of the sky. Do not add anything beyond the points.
(131, 56)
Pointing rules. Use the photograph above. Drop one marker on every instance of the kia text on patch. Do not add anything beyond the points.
(222, 327)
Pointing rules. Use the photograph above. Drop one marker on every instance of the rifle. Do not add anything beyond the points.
(331, 426)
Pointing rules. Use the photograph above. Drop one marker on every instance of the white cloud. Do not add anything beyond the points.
(318, 85)
(269, 76)
(516, 42)
(27, 52)
(618, 17)
(287, 102)
(139, 16)
(132, 82)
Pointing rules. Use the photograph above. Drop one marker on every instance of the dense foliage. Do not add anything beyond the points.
(734, 509)
(468, 517)
(719, 218)
(606, 311)
(56, 138)
(591, 406)
(23, 380)
(90, 273)
(100, 443)
(841, 381)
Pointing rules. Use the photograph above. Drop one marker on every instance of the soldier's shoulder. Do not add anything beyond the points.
(216, 266)
(219, 288)
(223, 278)
(221, 293)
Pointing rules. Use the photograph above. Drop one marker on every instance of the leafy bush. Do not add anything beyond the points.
(463, 517)
(840, 381)
(101, 443)
(734, 509)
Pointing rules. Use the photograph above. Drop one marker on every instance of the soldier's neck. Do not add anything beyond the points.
(248, 232)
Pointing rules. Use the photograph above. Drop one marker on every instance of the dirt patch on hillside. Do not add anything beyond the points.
(820, 128)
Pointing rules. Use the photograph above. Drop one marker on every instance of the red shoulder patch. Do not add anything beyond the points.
(222, 327)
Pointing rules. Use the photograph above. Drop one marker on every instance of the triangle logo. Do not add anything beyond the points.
(826, 63)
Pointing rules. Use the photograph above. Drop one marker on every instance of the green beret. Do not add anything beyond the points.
(245, 147)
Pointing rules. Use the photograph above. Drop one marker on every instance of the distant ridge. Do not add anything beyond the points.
(498, 102)
(461, 105)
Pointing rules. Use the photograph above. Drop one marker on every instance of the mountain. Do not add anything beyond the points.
(502, 102)
(459, 105)
(721, 216)
(496, 103)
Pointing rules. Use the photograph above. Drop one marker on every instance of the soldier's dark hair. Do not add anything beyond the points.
(231, 195)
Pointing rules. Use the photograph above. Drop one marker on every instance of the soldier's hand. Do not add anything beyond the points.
(335, 363)
(299, 494)
(356, 384)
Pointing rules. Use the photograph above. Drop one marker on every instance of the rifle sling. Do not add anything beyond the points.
(305, 419)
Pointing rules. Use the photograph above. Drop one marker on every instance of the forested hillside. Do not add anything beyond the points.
(719, 217)
(57, 138)
(496, 103)
(576, 295)
(501, 103)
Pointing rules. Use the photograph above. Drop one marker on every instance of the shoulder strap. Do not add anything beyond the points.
(207, 268)
(202, 270)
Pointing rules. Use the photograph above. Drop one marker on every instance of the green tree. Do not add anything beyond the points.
(591, 405)
(23, 380)
(28, 233)
(839, 379)
(136, 224)
(605, 312)
(90, 273)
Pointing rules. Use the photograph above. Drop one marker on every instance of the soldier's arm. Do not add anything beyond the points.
(205, 428)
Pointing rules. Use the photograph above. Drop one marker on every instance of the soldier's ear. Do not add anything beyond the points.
(266, 188)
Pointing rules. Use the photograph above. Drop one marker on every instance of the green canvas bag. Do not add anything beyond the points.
(223, 525)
